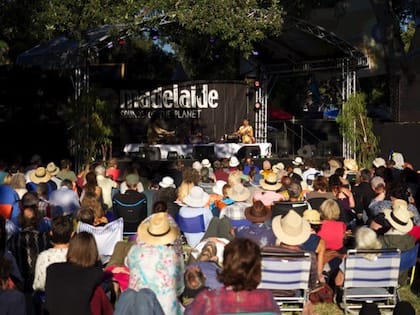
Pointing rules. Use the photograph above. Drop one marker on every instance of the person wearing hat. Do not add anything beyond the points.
(166, 193)
(239, 194)
(233, 164)
(298, 161)
(154, 264)
(53, 170)
(249, 162)
(196, 204)
(219, 197)
(40, 175)
(268, 193)
(259, 232)
(266, 168)
(291, 231)
(131, 205)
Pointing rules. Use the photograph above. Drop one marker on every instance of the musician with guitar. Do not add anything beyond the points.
(246, 132)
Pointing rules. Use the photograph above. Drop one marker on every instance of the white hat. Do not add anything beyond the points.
(197, 165)
(291, 228)
(399, 216)
(278, 167)
(378, 162)
(197, 197)
(233, 162)
(298, 161)
(166, 182)
(218, 187)
(239, 192)
(205, 163)
(52, 169)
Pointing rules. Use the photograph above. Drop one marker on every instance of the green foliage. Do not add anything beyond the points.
(408, 36)
(4, 48)
(357, 129)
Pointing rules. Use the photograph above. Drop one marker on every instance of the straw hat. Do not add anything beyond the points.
(40, 175)
(291, 228)
(239, 192)
(278, 167)
(157, 230)
(399, 216)
(52, 169)
(205, 163)
(312, 216)
(298, 161)
(233, 162)
(257, 213)
(166, 182)
(197, 197)
(351, 165)
(334, 164)
(270, 182)
(218, 187)
(378, 162)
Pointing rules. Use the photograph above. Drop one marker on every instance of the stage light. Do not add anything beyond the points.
(110, 45)
(257, 106)
(255, 52)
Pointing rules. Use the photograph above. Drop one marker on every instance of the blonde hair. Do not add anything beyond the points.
(366, 238)
(184, 189)
(330, 210)
(234, 177)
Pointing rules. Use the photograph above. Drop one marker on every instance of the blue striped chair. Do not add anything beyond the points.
(368, 280)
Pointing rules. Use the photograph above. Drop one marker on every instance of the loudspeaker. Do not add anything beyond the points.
(149, 153)
(203, 152)
(172, 155)
(248, 151)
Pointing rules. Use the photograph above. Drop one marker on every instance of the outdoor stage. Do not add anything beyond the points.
(197, 151)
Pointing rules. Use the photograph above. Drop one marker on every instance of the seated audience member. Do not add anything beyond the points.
(61, 232)
(32, 239)
(64, 200)
(220, 173)
(259, 232)
(269, 194)
(154, 263)
(222, 190)
(195, 282)
(90, 201)
(131, 205)
(345, 199)
(319, 193)
(266, 169)
(167, 193)
(240, 195)
(82, 275)
(399, 217)
(190, 178)
(12, 300)
(40, 175)
(241, 275)
(206, 182)
(196, 204)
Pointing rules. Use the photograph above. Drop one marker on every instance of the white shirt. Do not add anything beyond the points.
(46, 258)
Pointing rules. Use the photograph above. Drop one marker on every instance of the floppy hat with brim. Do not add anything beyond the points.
(378, 162)
(157, 230)
(270, 182)
(40, 175)
(239, 192)
(197, 197)
(218, 187)
(166, 182)
(312, 216)
(399, 216)
(205, 163)
(297, 161)
(257, 213)
(233, 162)
(278, 167)
(351, 165)
(52, 169)
(291, 229)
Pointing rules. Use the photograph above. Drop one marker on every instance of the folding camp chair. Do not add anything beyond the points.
(371, 280)
(409, 260)
(192, 224)
(286, 274)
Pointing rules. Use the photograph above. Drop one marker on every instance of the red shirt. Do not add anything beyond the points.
(223, 300)
(333, 233)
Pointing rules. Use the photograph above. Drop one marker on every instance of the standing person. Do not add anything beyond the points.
(107, 184)
(12, 301)
(112, 170)
(80, 274)
(66, 171)
(40, 175)
(241, 275)
(91, 187)
(246, 132)
(154, 263)
(64, 200)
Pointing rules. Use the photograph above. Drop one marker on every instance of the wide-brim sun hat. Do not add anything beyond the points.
(233, 161)
(399, 216)
(298, 161)
(239, 192)
(278, 167)
(197, 165)
(157, 230)
(270, 182)
(39, 175)
(197, 197)
(378, 162)
(312, 216)
(218, 187)
(258, 212)
(166, 182)
(291, 229)
(52, 169)
(205, 163)
(351, 165)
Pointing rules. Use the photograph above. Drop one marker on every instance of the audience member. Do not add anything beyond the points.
(112, 170)
(106, 184)
(12, 301)
(64, 200)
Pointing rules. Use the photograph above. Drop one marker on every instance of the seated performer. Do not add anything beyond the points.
(246, 132)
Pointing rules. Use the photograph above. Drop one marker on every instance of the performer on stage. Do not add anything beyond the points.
(246, 132)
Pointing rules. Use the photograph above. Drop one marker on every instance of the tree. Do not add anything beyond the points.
(357, 129)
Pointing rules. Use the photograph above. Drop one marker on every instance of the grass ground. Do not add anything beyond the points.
(333, 309)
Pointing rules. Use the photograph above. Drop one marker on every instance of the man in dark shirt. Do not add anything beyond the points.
(131, 206)
(363, 195)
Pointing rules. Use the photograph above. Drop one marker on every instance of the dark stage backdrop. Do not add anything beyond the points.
(219, 106)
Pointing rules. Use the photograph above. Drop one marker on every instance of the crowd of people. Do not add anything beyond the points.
(193, 234)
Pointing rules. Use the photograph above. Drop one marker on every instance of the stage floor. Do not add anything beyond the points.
(198, 151)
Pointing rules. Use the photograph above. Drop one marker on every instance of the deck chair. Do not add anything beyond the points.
(370, 280)
(286, 274)
(240, 222)
(106, 236)
(191, 225)
(409, 260)
(283, 207)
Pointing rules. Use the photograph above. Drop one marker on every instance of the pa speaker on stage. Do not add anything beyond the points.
(248, 151)
(149, 153)
(203, 152)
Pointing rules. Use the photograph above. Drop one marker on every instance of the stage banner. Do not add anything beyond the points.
(182, 110)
